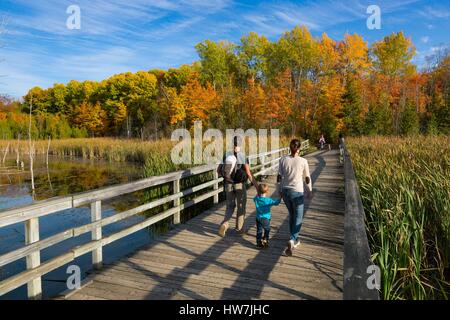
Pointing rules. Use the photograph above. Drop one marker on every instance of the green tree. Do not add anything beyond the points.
(409, 123)
(252, 54)
(40, 99)
(57, 96)
(353, 113)
(392, 56)
(215, 58)
(378, 120)
(177, 78)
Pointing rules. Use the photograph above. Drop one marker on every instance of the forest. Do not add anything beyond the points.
(301, 84)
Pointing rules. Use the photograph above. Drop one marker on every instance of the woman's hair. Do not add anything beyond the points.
(263, 188)
(295, 145)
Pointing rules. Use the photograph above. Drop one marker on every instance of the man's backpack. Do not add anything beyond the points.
(238, 174)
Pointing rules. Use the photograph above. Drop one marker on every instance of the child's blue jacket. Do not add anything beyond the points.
(263, 205)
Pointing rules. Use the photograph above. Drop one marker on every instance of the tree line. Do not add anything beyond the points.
(300, 84)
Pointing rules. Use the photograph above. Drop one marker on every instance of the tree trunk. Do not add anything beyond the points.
(31, 149)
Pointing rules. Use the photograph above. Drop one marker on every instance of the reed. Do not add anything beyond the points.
(94, 148)
(405, 189)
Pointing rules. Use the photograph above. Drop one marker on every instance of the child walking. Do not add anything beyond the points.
(263, 215)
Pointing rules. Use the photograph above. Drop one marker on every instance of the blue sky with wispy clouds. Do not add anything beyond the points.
(118, 36)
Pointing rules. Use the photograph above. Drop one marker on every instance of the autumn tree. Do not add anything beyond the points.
(253, 106)
(392, 60)
(298, 83)
(280, 100)
(91, 117)
(198, 100)
(354, 55)
(175, 106)
(297, 52)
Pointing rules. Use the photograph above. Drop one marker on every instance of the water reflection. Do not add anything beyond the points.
(60, 178)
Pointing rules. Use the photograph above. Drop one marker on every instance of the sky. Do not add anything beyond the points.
(38, 49)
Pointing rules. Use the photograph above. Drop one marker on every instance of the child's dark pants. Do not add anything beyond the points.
(262, 225)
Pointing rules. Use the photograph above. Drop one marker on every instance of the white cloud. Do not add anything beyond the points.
(295, 18)
(18, 76)
(317, 15)
(436, 12)
(425, 39)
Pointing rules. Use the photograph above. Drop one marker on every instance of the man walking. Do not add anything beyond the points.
(236, 173)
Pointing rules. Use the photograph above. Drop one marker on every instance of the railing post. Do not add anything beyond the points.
(96, 214)
(176, 202)
(216, 186)
(34, 287)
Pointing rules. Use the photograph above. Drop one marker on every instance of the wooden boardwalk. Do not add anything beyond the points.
(193, 262)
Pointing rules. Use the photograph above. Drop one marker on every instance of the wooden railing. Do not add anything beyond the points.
(356, 246)
(30, 215)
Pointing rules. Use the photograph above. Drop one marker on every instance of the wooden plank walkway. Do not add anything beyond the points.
(193, 262)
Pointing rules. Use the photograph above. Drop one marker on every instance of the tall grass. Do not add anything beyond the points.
(405, 189)
(94, 148)
(131, 150)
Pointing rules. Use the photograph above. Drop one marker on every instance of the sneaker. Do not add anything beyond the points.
(260, 244)
(266, 244)
(240, 232)
(289, 248)
(223, 229)
(297, 243)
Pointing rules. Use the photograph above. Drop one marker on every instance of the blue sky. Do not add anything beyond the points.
(38, 49)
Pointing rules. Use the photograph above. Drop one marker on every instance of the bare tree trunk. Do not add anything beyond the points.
(128, 126)
(5, 154)
(31, 148)
(46, 160)
(48, 150)
(18, 150)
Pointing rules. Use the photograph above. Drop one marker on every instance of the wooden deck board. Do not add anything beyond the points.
(193, 262)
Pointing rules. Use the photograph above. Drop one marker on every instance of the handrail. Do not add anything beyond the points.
(356, 246)
(30, 214)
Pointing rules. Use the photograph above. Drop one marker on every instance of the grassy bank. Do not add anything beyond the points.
(405, 188)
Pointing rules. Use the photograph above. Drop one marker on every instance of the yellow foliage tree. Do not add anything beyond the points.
(199, 101)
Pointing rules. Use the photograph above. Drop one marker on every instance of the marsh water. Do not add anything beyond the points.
(61, 177)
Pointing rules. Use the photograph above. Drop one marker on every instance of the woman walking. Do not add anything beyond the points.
(292, 170)
(322, 142)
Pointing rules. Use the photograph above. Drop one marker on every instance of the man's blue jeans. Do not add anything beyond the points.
(295, 204)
